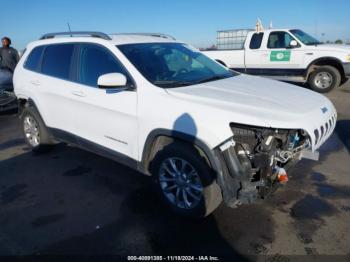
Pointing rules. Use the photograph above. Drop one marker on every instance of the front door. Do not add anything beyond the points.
(105, 117)
(277, 58)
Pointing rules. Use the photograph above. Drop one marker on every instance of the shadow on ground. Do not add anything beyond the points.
(343, 130)
(76, 202)
(69, 201)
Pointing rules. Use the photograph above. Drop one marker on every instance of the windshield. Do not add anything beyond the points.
(173, 64)
(304, 37)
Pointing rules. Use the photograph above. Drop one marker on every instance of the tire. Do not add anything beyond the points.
(205, 201)
(331, 79)
(34, 130)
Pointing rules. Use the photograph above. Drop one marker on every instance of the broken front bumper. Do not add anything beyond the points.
(234, 177)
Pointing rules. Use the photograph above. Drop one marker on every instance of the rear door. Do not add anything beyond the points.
(52, 87)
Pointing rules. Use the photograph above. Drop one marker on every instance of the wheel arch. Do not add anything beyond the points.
(159, 138)
(22, 102)
(28, 102)
(323, 61)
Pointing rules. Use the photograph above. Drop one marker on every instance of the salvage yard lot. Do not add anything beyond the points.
(70, 201)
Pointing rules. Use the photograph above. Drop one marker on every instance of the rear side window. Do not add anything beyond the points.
(96, 61)
(255, 42)
(57, 60)
(34, 58)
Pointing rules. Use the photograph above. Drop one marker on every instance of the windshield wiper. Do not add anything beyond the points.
(172, 83)
(314, 43)
(213, 78)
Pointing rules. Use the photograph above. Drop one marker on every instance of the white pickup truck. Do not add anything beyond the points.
(284, 54)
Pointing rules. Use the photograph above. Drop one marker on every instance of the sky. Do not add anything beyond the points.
(191, 21)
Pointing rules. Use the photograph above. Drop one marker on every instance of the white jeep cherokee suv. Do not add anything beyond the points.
(205, 133)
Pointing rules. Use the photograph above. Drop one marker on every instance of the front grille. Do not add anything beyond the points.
(325, 130)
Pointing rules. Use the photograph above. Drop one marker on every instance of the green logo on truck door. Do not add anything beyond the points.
(280, 56)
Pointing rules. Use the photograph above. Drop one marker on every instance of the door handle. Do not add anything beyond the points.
(35, 82)
(78, 93)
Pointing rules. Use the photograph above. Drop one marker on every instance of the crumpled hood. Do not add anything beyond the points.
(253, 94)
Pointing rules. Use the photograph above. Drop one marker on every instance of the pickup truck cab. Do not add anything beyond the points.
(284, 54)
(203, 132)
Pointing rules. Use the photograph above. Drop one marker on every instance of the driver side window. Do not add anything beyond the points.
(94, 62)
(279, 40)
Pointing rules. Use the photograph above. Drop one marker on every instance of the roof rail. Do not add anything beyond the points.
(149, 34)
(76, 33)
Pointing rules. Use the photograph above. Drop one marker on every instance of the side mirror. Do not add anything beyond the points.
(112, 80)
(293, 44)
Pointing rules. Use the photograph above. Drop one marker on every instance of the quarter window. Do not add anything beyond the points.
(33, 60)
(57, 60)
(279, 40)
(96, 61)
(255, 42)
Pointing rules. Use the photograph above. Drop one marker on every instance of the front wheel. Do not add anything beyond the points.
(185, 181)
(324, 79)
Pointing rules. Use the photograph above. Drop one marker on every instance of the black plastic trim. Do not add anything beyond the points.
(75, 33)
(214, 162)
(272, 71)
(346, 67)
(326, 58)
(64, 136)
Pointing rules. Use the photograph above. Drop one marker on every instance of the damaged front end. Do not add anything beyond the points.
(256, 159)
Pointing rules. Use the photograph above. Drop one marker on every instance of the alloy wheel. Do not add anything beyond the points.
(180, 183)
(31, 130)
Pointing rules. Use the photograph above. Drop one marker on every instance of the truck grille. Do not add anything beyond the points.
(325, 130)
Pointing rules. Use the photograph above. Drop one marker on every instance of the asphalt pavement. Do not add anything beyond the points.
(72, 202)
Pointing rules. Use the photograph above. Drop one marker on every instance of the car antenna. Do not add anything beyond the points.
(69, 28)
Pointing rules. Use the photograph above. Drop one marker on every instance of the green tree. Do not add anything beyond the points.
(339, 42)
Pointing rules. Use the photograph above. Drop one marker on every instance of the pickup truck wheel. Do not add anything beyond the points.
(34, 130)
(324, 79)
(185, 182)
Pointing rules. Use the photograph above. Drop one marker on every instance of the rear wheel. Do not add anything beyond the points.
(185, 181)
(35, 133)
(324, 79)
